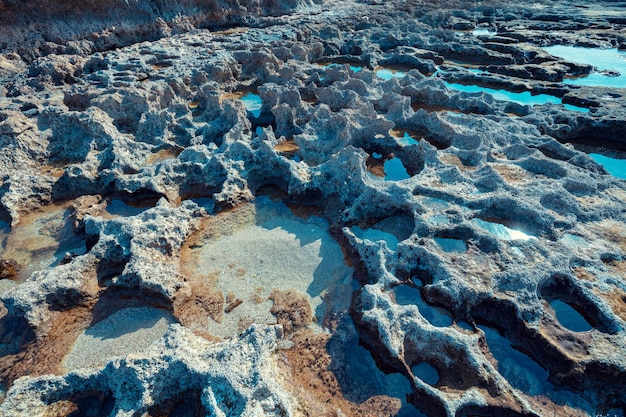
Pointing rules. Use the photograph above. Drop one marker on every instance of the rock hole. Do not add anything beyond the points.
(451, 245)
(92, 404)
(76, 101)
(389, 167)
(376, 235)
(125, 331)
(497, 228)
(42, 239)
(409, 295)
(387, 73)
(569, 317)
(490, 411)
(573, 310)
(185, 404)
(141, 199)
(119, 208)
(253, 103)
(426, 372)
(356, 369)
(519, 369)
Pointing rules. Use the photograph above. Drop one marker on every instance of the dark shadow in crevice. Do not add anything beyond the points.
(92, 404)
(115, 298)
(491, 411)
(185, 404)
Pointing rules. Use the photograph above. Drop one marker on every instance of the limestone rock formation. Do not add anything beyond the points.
(349, 208)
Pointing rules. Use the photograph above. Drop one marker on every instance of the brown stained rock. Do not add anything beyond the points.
(611, 230)
(164, 154)
(244, 323)
(304, 369)
(287, 147)
(453, 159)
(582, 273)
(572, 345)
(512, 173)
(292, 309)
(544, 406)
(376, 166)
(92, 205)
(45, 354)
(197, 305)
(617, 300)
(236, 303)
(9, 269)
(60, 408)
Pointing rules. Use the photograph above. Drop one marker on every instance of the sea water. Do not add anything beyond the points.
(601, 59)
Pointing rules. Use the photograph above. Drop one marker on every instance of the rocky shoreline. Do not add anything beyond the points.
(294, 209)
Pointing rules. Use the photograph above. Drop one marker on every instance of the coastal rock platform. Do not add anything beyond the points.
(298, 208)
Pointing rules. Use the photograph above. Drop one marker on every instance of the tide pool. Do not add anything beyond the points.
(395, 170)
(484, 32)
(614, 166)
(524, 98)
(502, 232)
(387, 74)
(569, 317)
(253, 103)
(601, 59)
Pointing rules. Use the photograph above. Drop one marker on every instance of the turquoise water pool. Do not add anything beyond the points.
(395, 170)
(602, 59)
(253, 103)
(614, 166)
(484, 32)
(387, 74)
(502, 232)
(524, 98)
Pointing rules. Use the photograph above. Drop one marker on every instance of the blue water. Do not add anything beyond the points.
(358, 375)
(602, 59)
(118, 207)
(426, 373)
(5, 229)
(451, 245)
(407, 140)
(407, 295)
(614, 166)
(484, 32)
(569, 317)
(475, 70)
(253, 103)
(206, 203)
(501, 231)
(465, 325)
(395, 170)
(376, 235)
(524, 98)
(387, 74)
(519, 369)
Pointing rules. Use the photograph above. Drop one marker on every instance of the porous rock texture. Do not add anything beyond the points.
(151, 119)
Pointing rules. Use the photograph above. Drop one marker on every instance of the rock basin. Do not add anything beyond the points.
(263, 247)
(266, 222)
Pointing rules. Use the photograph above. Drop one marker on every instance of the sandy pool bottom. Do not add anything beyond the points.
(263, 246)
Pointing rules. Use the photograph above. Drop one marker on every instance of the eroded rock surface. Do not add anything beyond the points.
(436, 252)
